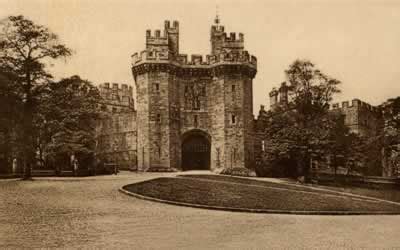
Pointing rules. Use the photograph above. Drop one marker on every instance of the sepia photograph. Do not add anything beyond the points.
(199, 124)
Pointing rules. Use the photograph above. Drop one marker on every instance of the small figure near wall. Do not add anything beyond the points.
(14, 166)
(76, 166)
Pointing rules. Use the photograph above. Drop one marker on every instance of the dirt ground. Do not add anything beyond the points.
(91, 213)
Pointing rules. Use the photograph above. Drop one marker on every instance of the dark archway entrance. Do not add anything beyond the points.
(195, 151)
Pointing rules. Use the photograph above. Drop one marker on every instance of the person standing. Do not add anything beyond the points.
(75, 167)
(14, 166)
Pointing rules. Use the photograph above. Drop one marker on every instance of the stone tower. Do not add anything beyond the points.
(197, 113)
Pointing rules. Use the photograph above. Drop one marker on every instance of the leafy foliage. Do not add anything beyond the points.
(304, 128)
(311, 90)
(25, 48)
(68, 114)
(10, 103)
(391, 136)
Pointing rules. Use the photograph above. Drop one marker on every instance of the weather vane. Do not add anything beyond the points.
(216, 15)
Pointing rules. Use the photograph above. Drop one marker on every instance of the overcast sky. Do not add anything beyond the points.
(357, 42)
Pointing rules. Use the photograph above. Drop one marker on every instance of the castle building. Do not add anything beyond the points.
(194, 113)
(197, 113)
(360, 117)
(116, 131)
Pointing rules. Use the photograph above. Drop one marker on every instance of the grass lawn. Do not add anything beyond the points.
(385, 194)
(225, 191)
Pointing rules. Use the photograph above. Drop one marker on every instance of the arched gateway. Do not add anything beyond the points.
(196, 150)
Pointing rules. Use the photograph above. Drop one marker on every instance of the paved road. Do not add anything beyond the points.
(91, 213)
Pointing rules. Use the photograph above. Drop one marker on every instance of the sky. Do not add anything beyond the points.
(356, 42)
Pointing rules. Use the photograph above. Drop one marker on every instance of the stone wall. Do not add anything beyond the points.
(159, 130)
(143, 120)
(362, 118)
(216, 100)
(117, 131)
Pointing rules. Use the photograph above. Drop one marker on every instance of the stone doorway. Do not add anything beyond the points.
(195, 152)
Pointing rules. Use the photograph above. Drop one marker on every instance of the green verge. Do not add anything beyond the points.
(243, 194)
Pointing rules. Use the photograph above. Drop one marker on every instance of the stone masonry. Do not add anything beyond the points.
(116, 131)
(178, 99)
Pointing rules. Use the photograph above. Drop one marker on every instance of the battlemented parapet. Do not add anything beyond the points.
(116, 131)
(361, 117)
(241, 57)
(165, 42)
(355, 103)
(116, 95)
(162, 51)
(222, 43)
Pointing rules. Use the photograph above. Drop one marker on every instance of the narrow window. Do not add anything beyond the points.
(157, 87)
(196, 121)
(233, 119)
(233, 87)
(158, 117)
(114, 110)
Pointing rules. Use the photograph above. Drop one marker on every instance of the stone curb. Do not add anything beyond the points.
(252, 210)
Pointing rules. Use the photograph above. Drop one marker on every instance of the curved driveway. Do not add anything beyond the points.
(91, 213)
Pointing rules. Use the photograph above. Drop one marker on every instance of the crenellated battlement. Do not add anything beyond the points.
(149, 56)
(154, 56)
(173, 27)
(162, 35)
(162, 53)
(124, 88)
(156, 39)
(355, 103)
(232, 37)
(156, 34)
(166, 40)
(117, 94)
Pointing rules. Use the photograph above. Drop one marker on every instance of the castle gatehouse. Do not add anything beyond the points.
(194, 113)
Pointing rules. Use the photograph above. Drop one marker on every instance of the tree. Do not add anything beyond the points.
(311, 90)
(302, 129)
(25, 47)
(10, 103)
(391, 137)
(69, 112)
